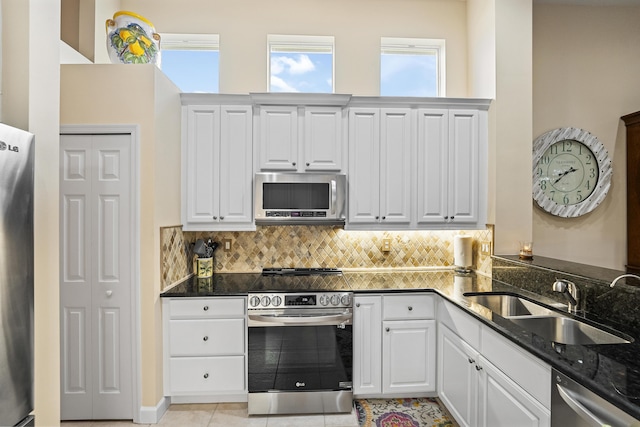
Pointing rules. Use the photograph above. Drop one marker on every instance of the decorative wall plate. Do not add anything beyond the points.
(571, 172)
(132, 39)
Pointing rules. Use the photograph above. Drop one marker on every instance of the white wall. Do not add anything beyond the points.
(586, 68)
(357, 25)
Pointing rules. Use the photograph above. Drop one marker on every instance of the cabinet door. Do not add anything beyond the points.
(503, 403)
(278, 143)
(364, 165)
(457, 376)
(463, 166)
(236, 172)
(323, 148)
(395, 165)
(433, 166)
(367, 345)
(201, 150)
(409, 356)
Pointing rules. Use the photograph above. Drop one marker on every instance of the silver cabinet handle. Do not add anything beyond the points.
(386, 329)
(109, 293)
(410, 308)
(478, 368)
(206, 376)
(206, 338)
(357, 304)
(205, 308)
(221, 218)
(308, 164)
(471, 360)
(293, 163)
(215, 217)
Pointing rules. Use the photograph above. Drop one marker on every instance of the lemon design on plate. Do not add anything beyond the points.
(133, 45)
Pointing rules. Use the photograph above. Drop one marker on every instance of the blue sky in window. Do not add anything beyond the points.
(408, 75)
(301, 72)
(192, 70)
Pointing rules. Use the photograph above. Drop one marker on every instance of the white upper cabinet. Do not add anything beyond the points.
(296, 135)
(380, 142)
(217, 167)
(451, 178)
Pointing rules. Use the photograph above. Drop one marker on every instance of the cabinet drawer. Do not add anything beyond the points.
(199, 375)
(184, 308)
(206, 337)
(408, 306)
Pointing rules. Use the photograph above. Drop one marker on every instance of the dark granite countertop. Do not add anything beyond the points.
(612, 371)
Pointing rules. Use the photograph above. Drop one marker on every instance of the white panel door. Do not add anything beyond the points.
(367, 345)
(464, 149)
(236, 170)
(409, 356)
(364, 165)
(433, 165)
(323, 138)
(278, 137)
(395, 165)
(95, 285)
(201, 156)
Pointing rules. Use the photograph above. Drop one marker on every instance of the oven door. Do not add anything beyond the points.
(300, 350)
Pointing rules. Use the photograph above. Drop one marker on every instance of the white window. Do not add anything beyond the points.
(412, 67)
(300, 64)
(191, 61)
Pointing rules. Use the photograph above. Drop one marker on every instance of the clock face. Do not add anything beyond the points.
(568, 172)
(571, 172)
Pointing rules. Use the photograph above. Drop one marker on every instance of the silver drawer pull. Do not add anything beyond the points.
(206, 338)
(471, 360)
(357, 304)
(387, 329)
(478, 368)
(206, 376)
(206, 308)
(410, 308)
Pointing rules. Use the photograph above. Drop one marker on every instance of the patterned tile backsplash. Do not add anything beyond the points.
(316, 246)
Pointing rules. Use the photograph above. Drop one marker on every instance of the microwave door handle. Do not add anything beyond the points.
(334, 196)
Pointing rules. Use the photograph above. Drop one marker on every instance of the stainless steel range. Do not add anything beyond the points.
(300, 343)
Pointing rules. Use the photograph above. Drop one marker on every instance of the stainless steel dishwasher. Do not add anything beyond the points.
(574, 405)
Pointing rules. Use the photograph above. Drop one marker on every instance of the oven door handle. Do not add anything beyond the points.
(332, 319)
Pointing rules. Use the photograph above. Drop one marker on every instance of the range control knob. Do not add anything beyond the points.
(335, 299)
(324, 299)
(346, 300)
(265, 301)
(276, 301)
(254, 301)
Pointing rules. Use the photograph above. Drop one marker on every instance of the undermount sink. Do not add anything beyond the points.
(507, 305)
(544, 322)
(566, 330)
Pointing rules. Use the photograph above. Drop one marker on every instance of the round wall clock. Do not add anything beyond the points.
(571, 172)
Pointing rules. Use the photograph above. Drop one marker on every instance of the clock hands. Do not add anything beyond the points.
(572, 169)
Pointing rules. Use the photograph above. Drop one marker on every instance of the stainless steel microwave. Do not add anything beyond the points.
(300, 198)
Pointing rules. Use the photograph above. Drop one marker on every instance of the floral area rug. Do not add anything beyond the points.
(422, 412)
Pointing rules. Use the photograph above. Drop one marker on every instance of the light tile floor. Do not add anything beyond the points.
(228, 415)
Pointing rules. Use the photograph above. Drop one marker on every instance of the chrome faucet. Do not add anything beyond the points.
(570, 291)
(621, 276)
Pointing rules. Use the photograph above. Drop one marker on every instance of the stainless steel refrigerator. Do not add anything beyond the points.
(16, 276)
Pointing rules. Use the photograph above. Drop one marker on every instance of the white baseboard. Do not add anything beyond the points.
(152, 414)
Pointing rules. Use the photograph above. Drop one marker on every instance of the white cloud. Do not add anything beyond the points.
(291, 65)
(281, 85)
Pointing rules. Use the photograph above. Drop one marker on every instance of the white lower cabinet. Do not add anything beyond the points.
(205, 349)
(494, 385)
(394, 345)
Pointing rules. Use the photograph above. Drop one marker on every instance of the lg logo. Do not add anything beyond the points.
(4, 146)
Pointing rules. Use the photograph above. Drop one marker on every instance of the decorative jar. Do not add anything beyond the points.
(132, 39)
